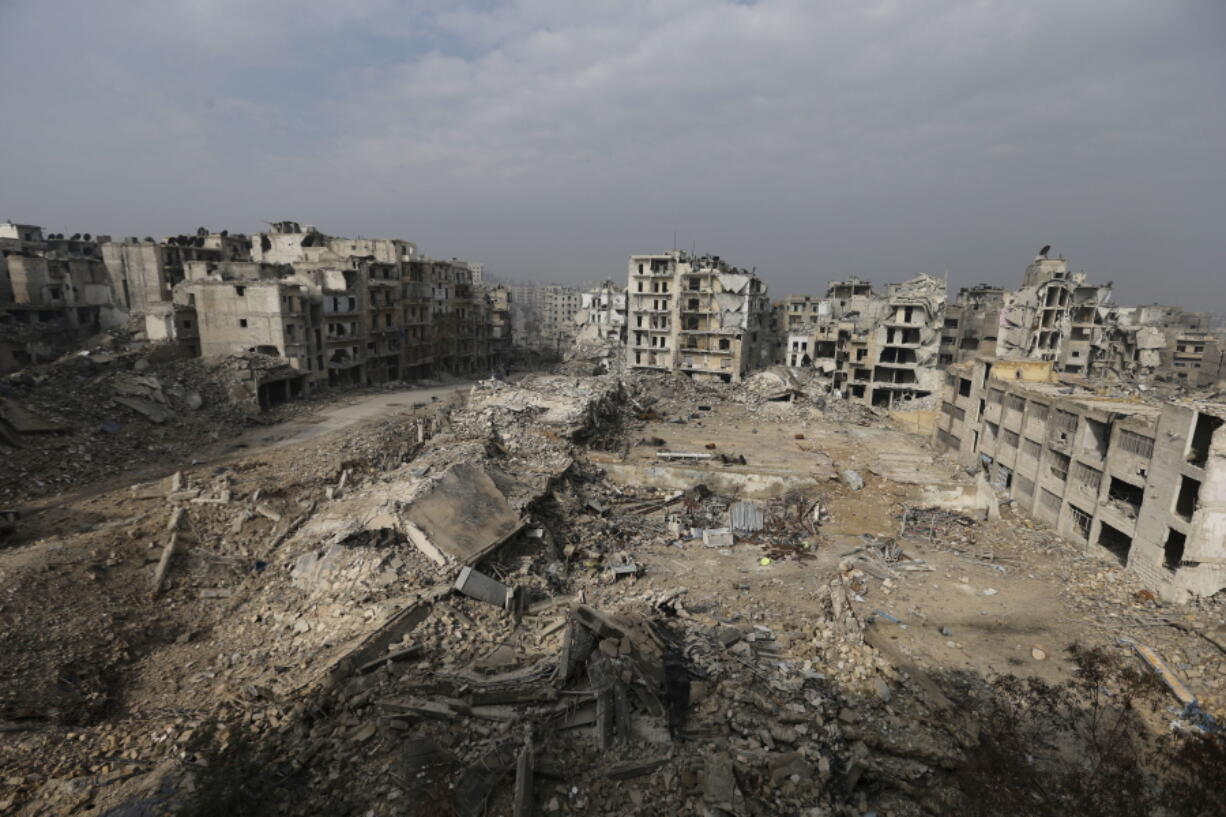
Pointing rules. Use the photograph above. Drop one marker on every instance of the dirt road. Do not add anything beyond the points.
(344, 413)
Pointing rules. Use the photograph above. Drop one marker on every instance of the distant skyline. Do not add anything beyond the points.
(550, 140)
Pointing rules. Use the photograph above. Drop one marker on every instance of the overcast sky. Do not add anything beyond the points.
(551, 139)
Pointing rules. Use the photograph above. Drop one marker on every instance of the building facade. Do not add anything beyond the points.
(698, 316)
(1141, 482)
(54, 292)
(877, 349)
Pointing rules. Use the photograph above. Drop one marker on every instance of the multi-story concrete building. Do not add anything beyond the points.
(696, 315)
(416, 302)
(54, 291)
(526, 310)
(1057, 316)
(559, 305)
(244, 308)
(1143, 482)
(339, 311)
(543, 316)
(145, 272)
(971, 324)
(880, 350)
(501, 326)
(1157, 343)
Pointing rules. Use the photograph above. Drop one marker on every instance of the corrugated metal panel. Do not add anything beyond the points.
(745, 517)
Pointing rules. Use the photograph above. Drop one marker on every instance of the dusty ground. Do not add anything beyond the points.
(102, 681)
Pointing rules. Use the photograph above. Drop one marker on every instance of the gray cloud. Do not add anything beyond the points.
(551, 139)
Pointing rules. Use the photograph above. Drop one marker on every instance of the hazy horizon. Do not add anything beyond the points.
(551, 140)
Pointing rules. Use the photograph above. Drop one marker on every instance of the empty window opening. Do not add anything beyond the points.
(1202, 438)
(242, 322)
(964, 387)
(1081, 521)
(1096, 436)
(1172, 551)
(1126, 496)
(1114, 540)
(240, 291)
(1185, 503)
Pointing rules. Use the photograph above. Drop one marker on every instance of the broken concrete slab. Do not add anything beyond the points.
(908, 467)
(462, 517)
(719, 782)
(717, 537)
(17, 420)
(978, 498)
(375, 645)
(404, 654)
(478, 586)
(150, 411)
(630, 769)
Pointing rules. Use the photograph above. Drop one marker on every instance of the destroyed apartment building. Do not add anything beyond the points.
(696, 315)
(602, 314)
(1058, 315)
(54, 292)
(878, 350)
(1144, 481)
(631, 594)
(333, 311)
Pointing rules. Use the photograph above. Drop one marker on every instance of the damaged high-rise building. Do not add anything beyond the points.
(698, 316)
(1059, 316)
(878, 349)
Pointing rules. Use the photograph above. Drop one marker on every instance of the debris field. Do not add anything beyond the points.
(614, 594)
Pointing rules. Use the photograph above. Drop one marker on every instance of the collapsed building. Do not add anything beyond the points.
(1156, 343)
(599, 344)
(879, 350)
(1142, 481)
(698, 316)
(1058, 315)
(602, 314)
